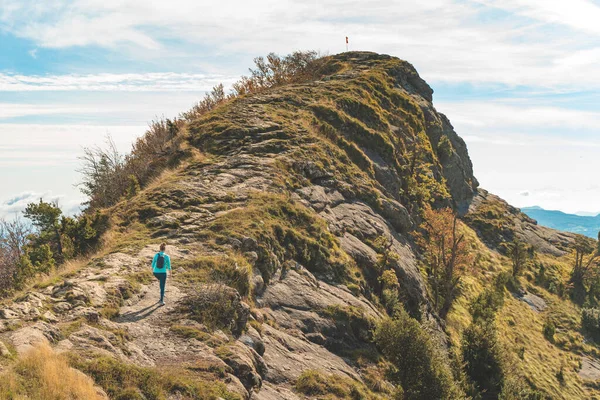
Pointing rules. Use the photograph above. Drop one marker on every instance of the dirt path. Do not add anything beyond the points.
(149, 326)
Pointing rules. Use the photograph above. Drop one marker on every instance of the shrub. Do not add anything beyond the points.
(510, 282)
(521, 255)
(418, 364)
(13, 239)
(444, 148)
(590, 321)
(133, 188)
(233, 271)
(316, 383)
(486, 305)
(560, 375)
(215, 305)
(391, 300)
(208, 103)
(107, 173)
(274, 70)
(549, 330)
(50, 240)
(389, 280)
(354, 288)
(482, 357)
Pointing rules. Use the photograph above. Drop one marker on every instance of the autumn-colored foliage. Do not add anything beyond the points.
(446, 254)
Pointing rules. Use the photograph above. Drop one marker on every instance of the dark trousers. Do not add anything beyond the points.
(162, 279)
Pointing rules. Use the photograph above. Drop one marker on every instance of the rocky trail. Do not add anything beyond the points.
(68, 316)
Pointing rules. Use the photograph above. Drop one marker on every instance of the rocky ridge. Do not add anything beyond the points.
(299, 182)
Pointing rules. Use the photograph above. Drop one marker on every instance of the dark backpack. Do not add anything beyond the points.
(160, 261)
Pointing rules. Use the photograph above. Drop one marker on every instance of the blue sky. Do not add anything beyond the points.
(519, 79)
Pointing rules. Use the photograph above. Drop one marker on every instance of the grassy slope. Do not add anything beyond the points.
(530, 354)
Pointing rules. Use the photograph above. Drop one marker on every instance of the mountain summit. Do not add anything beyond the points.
(296, 222)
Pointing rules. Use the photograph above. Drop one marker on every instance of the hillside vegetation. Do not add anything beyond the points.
(329, 241)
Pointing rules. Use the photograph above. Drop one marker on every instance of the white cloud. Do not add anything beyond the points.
(506, 114)
(530, 153)
(449, 41)
(29, 145)
(45, 157)
(14, 205)
(12, 110)
(113, 82)
(577, 14)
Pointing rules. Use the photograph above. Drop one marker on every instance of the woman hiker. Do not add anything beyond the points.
(160, 265)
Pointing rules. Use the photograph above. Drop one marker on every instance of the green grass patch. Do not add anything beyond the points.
(195, 333)
(324, 386)
(127, 381)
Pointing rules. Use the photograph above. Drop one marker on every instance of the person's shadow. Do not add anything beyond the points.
(135, 316)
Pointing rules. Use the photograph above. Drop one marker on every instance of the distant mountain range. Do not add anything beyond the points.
(587, 225)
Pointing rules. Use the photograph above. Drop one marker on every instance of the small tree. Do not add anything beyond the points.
(482, 356)
(134, 187)
(103, 172)
(582, 268)
(481, 352)
(520, 255)
(418, 365)
(13, 238)
(45, 217)
(389, 295)
(446, 255)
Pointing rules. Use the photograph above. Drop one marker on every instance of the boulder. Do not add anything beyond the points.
(7, 313)
(396, 214)
(61, 307)
(40, 333)
(247, 365)
(249, 244)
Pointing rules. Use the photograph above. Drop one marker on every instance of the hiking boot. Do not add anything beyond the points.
(162, 303)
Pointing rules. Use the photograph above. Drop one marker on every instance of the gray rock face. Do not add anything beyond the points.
(40, 333)
(536, 303)
(456, 169)
(516, 225)
(357, 223)
(319, 197)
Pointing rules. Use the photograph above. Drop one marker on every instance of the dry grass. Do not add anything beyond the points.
(520, 328)
(53, 277)
(44, 375)
(486, 264)
(318, 384)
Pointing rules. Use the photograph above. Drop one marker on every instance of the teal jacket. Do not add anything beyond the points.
(167, 265)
